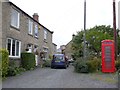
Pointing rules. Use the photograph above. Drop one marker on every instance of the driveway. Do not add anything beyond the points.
(60, 78)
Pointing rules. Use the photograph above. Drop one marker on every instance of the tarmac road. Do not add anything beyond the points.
(59, 78)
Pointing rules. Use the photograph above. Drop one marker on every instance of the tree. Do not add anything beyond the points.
(94, 36)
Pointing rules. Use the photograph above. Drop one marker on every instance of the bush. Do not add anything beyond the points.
(4, 56)
(94, 65)
(117, 64)
(14, 70)
(81, 66)
(28, 60)
(47, 63)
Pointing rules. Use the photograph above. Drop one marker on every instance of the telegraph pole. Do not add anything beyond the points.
(114, 28)
(84, 52)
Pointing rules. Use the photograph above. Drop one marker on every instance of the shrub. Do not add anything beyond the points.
(13, 69)
(81, 66)
(94, 65)
(4, 56)
(28, 60)
(99, 65)
(117, 64)
(47, 63)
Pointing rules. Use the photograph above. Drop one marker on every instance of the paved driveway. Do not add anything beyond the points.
(60, 78)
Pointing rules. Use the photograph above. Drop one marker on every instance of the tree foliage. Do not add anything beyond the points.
(94, 36)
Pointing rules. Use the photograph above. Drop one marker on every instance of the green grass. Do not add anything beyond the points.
(105, 77)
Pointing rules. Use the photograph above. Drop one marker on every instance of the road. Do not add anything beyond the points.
(59, 78)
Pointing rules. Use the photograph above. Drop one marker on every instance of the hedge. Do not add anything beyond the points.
(28, 60)
(4, 62)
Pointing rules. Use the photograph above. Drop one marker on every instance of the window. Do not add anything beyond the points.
(30, 27)
(15, 18)
(45, 34)
(13, 46)
(36, 31)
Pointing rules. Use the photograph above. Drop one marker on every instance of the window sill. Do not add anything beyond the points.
(14, 56)
(36, 37)
(15, 27)
(45, 40)
(30, 34)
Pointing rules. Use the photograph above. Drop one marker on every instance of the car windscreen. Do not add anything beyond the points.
(58, 57)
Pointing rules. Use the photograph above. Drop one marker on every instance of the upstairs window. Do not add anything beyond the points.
(45, 34)
(13, 47)
(30, 27)
(15, 18)
(36, 31)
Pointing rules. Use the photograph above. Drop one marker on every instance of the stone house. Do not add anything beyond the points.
(21, 32)
(68, 49)
(54, 48)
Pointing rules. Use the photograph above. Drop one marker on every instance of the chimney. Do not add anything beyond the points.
(73, 36)
(36, 17)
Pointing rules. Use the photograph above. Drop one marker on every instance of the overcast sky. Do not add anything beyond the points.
(66, 17)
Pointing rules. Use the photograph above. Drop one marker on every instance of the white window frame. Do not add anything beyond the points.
(18, 18)
(15, 48)
(36, 29)
(30, 27)
(45, 34)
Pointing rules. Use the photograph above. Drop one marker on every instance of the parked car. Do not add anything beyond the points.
(71, 61)
(59, 60)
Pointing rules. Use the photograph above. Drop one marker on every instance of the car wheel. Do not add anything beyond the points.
(65, 66)
(52, 67)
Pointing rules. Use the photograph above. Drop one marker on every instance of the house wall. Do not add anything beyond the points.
(68, 50)
(54, 49)
(0, 24)
(45, 43)
(21, 34)
(5, 22)
(49, 42)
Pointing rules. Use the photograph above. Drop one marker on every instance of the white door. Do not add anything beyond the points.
(36, 60)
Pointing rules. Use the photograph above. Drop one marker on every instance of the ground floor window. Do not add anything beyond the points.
(13, 47)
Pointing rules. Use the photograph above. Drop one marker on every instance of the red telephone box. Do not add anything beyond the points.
(108, 56)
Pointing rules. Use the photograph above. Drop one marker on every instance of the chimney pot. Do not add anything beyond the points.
(36, 17)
